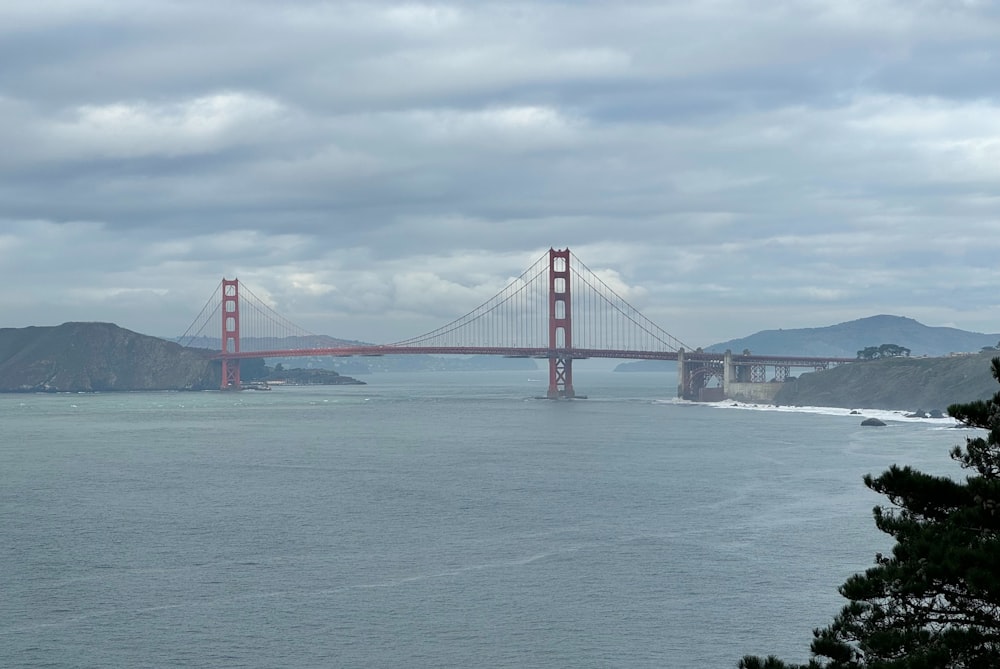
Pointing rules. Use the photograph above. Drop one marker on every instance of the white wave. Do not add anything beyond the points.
(861, 413)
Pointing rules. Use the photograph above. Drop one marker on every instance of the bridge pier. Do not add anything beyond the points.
(560, 378)
(681, 374)
(728, 372)
(231, 374)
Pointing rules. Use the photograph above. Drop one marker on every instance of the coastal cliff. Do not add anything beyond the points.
(83, 357)
(895, 383)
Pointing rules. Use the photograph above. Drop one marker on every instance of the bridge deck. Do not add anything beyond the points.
(573, 353)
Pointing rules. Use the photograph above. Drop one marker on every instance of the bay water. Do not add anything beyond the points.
(433, 520)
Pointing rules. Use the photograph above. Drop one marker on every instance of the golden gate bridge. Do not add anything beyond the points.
(558, 309)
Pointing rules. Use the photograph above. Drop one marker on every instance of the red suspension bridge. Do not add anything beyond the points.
(558, 309)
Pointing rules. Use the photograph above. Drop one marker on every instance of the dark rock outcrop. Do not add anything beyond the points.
(81, 357)
(312, 377)
(872, 422)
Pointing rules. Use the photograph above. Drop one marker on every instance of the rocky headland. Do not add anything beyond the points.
(87, 357)
(908, 384)
(945, 366)
(102, 357)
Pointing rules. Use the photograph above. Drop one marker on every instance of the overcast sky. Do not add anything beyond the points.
(376, 169)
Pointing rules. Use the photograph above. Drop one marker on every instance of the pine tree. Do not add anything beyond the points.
(934, 603)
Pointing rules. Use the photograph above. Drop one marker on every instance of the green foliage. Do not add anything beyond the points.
(253, 369)
(883, 351)
(868, 353)
(935, 601)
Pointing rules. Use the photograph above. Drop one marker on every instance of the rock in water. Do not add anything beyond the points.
(872, 422)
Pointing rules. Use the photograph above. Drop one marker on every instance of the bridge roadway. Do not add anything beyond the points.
(569, 354)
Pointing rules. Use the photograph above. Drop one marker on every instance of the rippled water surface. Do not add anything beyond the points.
(431, 520)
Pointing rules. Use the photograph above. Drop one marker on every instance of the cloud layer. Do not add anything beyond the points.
(377, 169)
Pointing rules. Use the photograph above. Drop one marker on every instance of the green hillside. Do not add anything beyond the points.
(895, 383)
(79, 357)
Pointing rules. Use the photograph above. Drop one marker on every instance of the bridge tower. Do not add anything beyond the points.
(560, 326)
(230, 334)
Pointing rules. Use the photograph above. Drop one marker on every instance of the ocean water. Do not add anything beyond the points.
(432, 520)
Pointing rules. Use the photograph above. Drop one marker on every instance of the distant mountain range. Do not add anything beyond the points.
(844, 340)
(364, 365)
(270, 343)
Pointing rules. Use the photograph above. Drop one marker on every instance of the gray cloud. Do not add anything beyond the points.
(376, 169)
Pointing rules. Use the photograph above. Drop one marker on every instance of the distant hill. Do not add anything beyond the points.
(80, 357)
(367, 365)
(844, 340)
(423, 363)
(271, 343)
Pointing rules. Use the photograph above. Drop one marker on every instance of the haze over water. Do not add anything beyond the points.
(431, 520)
